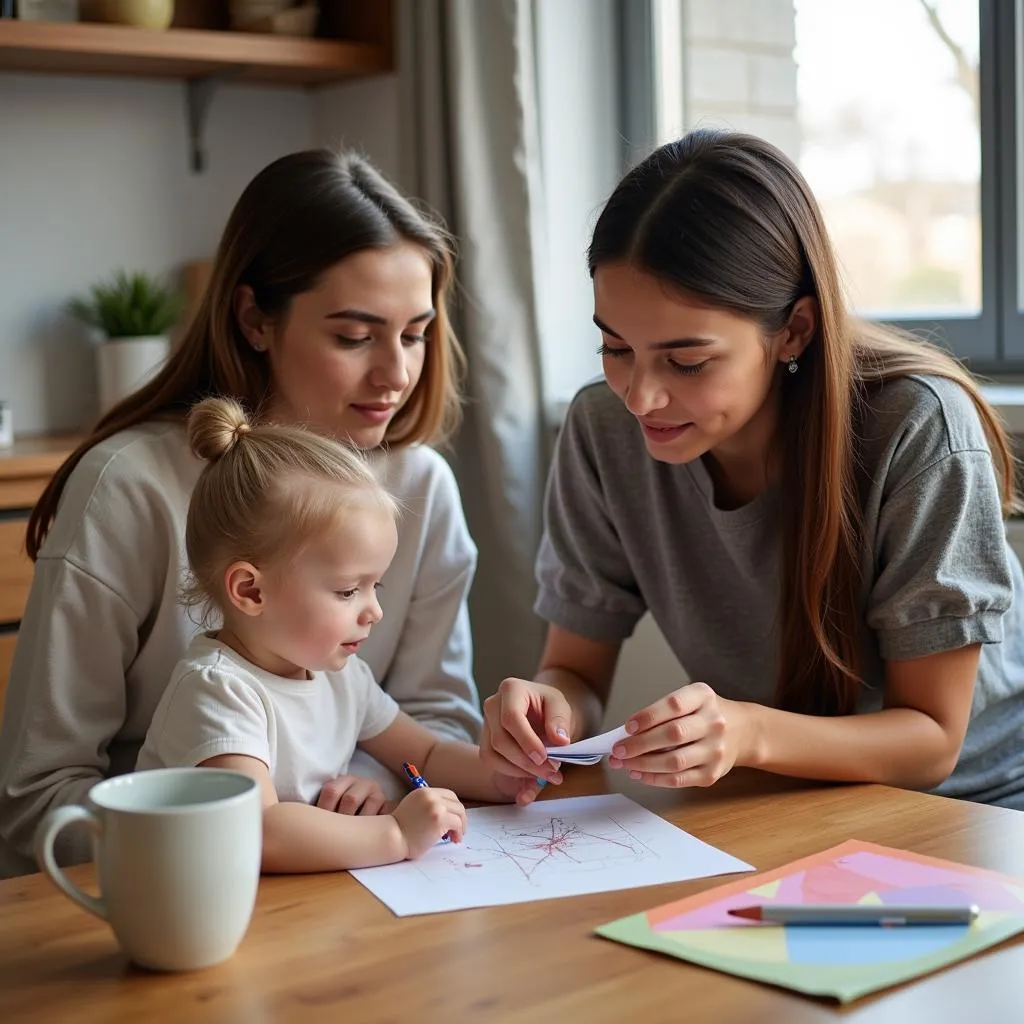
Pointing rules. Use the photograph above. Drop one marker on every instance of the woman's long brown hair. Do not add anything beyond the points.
(297, 218)
(727, 219)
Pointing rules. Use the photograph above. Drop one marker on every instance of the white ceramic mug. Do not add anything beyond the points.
(178, 855)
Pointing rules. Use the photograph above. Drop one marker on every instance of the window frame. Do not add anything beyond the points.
(991, 342)
(1008, 25)
(976, 339)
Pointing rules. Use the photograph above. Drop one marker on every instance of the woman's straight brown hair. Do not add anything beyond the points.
(297, 218)
(728, 220)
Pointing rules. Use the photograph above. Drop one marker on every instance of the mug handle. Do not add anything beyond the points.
(54, 821)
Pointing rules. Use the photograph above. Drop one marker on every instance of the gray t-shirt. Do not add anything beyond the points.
(626, 534)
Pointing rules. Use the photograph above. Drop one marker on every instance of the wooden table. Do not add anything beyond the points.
(322, 948)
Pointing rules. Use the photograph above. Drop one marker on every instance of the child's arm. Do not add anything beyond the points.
(446, 763)
(298, 837)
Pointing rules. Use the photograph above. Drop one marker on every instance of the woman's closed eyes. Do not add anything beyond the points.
(407, 339)
(687, 369)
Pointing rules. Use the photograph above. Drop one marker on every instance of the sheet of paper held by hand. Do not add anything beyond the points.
(588, 751)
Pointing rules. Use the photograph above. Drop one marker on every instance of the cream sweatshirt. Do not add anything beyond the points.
(103, 628)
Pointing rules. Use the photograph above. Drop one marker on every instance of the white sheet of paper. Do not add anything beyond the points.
(549, 849)
(588, 751)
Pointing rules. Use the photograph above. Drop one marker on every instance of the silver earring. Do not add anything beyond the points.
(792, 365)
(256, 348)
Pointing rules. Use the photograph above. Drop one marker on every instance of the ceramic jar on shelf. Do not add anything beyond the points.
(151, 14)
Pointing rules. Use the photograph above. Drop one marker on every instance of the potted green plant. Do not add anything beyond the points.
(134, 313)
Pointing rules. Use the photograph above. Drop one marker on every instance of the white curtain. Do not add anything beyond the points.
(471, 142)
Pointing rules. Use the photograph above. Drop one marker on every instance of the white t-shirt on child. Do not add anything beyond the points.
(304, 731)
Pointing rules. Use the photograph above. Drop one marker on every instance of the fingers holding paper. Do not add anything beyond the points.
(689, 738)
(520, 721)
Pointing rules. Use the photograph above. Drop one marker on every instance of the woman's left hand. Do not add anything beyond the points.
(689, 738)
(518, 790)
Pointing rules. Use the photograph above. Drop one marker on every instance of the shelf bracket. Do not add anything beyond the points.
(198, 97)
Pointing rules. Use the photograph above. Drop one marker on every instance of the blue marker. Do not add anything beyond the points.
(418, 782)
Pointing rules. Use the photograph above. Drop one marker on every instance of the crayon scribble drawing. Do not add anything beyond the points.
(552, 848)
(530, 854)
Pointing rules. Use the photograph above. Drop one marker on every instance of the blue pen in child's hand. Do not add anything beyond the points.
(418, 782)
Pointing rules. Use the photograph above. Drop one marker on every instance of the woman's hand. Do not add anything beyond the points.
(350, 794)
(692, 737)
(518, 790)
(520, 720)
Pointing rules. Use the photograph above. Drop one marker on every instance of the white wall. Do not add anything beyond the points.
(363, 115)
(94, 175)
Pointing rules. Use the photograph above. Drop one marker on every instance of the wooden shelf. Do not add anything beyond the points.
(40, 455)
(183, 53)
(25, 471)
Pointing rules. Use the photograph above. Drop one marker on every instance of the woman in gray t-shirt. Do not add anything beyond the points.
(810, 507)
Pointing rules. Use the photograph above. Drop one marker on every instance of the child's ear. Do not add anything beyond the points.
(242, 585)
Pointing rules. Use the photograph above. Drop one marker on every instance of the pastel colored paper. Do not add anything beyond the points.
(844, 961)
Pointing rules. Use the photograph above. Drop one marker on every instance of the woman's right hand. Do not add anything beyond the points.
(520, 720)
(425, 815)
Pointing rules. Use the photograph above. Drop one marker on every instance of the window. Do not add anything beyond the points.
(892, 148)
(904, 117)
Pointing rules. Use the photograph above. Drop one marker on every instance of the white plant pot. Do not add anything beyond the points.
(125, 364)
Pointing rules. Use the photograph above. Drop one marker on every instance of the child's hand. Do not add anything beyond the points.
(522, 791)
(427, 814)
(350, 794)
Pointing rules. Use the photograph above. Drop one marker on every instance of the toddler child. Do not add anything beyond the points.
(288, 535)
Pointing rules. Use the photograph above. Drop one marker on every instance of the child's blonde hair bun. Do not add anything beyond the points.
(215, 426)
(284, 486)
